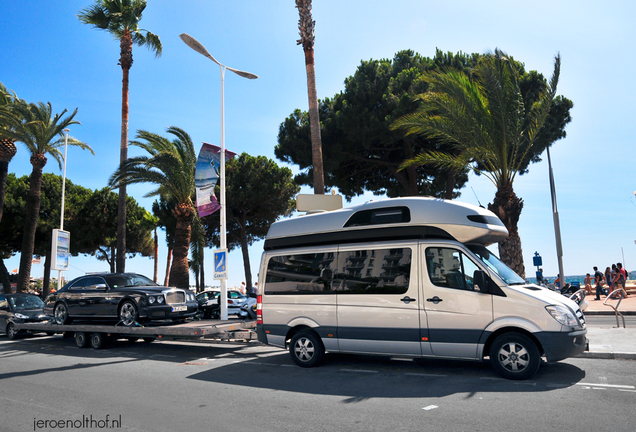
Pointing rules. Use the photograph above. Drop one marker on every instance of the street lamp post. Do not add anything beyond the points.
(557, 225)
(66, 131)
(198, 47)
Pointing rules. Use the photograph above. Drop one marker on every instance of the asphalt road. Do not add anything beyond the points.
(609, 320)
(174, 386)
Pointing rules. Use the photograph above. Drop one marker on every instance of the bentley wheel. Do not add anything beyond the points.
(128, 313)
(61, 314)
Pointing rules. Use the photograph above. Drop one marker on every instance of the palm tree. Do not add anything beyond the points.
(306, 28)
(42, 132)
(7, 145)
(170, 165)
(484, 120)
(121, 19)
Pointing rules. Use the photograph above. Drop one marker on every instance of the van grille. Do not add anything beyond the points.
(580, 317)
(175, 297)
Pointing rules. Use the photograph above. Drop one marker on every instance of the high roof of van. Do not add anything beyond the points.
(393, 218)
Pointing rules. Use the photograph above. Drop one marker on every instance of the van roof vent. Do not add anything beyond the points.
(379, 216)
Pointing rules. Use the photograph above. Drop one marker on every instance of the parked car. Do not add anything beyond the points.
(20, 308)
(235, 299)
(209, 304)
(126, 297)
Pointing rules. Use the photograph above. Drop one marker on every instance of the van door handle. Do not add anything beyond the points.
(407, 299)
(434, 299)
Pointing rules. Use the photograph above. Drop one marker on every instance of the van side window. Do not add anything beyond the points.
(300, 274)
(450, 268)
(378, 271)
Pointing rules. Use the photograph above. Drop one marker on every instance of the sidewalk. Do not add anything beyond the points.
(609, 341)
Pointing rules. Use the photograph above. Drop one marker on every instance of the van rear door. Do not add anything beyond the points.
(456, 312)
(377, 299)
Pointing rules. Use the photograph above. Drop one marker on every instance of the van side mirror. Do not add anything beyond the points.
(326, 274)
(481, 281)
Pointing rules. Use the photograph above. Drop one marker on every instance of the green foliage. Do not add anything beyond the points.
(360, 151)
(90, 217)
(118, 17)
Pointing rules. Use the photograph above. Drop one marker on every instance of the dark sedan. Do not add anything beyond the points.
(126, 297)
(19, 308)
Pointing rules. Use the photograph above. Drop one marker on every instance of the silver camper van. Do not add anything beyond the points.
(408, 277)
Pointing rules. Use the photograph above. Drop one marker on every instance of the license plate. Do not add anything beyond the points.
(179, 308)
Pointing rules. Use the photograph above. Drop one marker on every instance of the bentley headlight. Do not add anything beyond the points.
(160, 299)
(563, 315)
(19, 315)
(151, 299)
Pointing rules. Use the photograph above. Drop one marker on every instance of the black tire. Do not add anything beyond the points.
(128, 313)
(81, 339)
(61, 314)
(515, 356)
(50, 333)
(132, 339)
(306, 349)
(97, 340)
(12, 332)
(149, 339)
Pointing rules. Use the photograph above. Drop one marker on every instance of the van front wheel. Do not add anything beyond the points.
(306, 349)
(515, 356)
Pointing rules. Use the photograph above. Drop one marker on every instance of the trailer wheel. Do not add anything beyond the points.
(61, 314)
(12, 332)
(50, 333)
(81, 339)
(149, 339)
(97, 340)
(515, 356)
(132, 339)
(306, 349)
(128, 313)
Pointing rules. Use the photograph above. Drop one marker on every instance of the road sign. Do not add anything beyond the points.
(220, 264)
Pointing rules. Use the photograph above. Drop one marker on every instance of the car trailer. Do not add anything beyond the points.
(95, 335)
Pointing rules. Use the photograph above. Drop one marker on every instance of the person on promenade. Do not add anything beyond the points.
(622, 277)
(557, 282)
(609, 280)
(588, 283)
(598, 279)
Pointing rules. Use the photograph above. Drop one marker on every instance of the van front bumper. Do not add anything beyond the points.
(561, 345)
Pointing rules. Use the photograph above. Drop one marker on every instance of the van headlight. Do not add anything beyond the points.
(563, 315)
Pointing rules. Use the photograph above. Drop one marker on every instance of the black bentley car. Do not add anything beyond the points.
(125, 297)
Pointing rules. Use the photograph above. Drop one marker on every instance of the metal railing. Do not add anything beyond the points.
(619, 294)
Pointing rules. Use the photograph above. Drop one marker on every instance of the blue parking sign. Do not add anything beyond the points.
(220, 264)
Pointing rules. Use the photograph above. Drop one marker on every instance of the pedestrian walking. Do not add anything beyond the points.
(608, 280)
(598, 279)
(622, 277)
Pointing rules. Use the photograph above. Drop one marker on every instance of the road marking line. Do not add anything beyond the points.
(424, 375)
(607, 385)
(430, 407)
(359, 370)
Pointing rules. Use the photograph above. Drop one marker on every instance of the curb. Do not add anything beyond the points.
(607, 355)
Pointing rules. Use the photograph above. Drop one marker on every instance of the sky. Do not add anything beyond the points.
(49, 56)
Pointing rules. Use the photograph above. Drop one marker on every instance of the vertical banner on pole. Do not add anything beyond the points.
(60, 250)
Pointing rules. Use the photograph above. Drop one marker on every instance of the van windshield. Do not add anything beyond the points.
(495, 264)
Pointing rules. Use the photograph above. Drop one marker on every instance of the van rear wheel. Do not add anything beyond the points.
(306, 349)
(515, 356)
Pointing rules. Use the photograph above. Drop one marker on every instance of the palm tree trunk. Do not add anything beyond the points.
(314, 122)
(507, 206)
(46, 281)
(166, 280)
(156, 274)
(202, 270)
(4, 169)
(246, 257)
(180, 272)
(125, 61)
(4, 277)
(31, 220)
